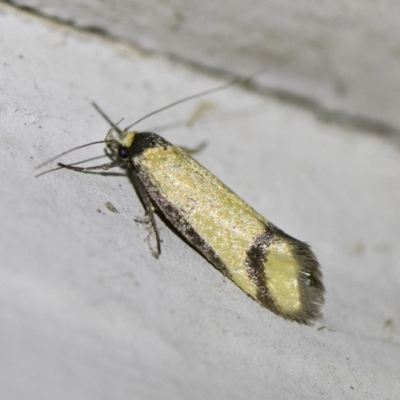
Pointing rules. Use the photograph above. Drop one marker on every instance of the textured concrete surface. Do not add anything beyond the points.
(88, 313)
(336, 57)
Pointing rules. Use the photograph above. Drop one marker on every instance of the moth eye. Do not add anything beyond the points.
(123, 152)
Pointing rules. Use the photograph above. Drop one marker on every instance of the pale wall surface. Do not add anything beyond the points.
(338, 55)
(88, 313)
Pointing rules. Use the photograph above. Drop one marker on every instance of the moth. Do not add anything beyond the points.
(278, 271)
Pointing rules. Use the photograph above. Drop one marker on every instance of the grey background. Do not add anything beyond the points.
(337, 58)
(88, 313)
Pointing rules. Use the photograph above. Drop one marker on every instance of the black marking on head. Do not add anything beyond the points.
(147, 140)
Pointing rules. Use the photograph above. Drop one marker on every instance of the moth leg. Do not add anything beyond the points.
(108, 153)
(144, 220)
(149, 210)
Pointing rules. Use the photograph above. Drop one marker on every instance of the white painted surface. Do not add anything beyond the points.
(88, 313)
(342, 56)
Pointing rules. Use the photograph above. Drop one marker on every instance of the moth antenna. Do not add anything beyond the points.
(46, 172)
(194, 96)
(76, 163)
(69, 151)
(105, 116)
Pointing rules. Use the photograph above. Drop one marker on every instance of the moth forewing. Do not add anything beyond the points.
(278, 271)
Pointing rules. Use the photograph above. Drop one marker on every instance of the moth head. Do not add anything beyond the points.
(119, 148)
